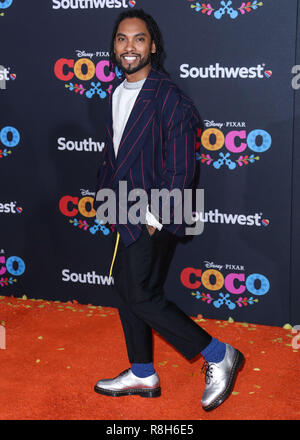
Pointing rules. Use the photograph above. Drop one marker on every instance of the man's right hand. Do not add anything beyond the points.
(151, 229)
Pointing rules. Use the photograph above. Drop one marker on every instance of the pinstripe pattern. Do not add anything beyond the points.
(157, 149)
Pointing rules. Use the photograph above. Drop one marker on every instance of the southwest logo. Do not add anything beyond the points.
(92, 4)
(10, 208)
(268, 73)
(214, 216)
(5, 76)
(225, 8)
(216, 71)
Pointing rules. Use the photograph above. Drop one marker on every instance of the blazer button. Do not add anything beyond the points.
(104, 163)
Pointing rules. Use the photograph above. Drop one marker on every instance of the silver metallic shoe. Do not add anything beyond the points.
(220, 377)
(127, 383)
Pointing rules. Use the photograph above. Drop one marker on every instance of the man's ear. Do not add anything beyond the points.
(153, 47)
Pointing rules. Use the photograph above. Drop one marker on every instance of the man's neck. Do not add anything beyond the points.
(139, 75)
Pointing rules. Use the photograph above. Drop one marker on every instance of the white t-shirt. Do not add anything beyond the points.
(123, 101)
(124, 98)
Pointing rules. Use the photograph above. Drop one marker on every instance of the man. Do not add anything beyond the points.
(150, 143)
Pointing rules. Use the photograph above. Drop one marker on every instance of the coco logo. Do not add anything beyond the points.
(84, 69)
(234, 142)
(233, 283)
(4, 4)
(226, 8)
(10, 268)
(73, 207)
(9, 138)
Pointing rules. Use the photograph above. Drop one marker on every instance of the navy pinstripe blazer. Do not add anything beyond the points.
(157, 149)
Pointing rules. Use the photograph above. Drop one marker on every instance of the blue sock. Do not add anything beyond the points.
(142, 370)
(215, 351)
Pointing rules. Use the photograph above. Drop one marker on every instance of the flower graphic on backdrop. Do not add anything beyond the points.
(225, 8)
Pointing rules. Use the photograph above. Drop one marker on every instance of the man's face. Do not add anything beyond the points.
(133, 48)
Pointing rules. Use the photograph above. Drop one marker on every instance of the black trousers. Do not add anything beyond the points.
(140, 271)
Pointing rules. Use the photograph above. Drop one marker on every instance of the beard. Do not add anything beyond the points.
(143, 62)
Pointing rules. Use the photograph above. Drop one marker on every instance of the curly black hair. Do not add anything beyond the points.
(158, 57)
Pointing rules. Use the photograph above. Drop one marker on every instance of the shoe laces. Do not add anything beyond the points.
(208, 370)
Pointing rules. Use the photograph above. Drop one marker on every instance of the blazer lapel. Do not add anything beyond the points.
(109, 134)
(140, 117)
(109, 123)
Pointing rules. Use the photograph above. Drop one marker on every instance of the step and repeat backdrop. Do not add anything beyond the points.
(240, 63)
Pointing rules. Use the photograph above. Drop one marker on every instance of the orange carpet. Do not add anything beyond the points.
(55, 352)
